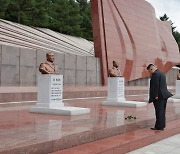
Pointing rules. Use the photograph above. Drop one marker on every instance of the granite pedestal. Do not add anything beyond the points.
(177, 94)
(116, 94)
(50, 88)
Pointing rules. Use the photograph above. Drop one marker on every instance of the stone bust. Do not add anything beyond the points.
(114, 71)
(178, 76)
(48, 67)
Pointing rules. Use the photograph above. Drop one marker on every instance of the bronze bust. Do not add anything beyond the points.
(178, 76)
(48, 67)
(115, 72)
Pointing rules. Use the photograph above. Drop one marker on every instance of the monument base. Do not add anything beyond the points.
(125, 103)
(146, 99)
(170, 100)
(66, 110)
(50, 90)
(116, 94)
(176, 96)
(115, 99)
(173, 100)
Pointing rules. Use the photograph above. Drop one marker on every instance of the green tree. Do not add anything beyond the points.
(166, 18)
(86, 24)
(72, 17)
(3, 6)
(65, 17)
(28, 12)
(39, 14)
(175, 33)
(18, 11)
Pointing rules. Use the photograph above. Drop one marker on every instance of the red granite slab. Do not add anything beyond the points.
(24, 132)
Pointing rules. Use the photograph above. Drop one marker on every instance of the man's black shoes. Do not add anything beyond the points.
(157, 128)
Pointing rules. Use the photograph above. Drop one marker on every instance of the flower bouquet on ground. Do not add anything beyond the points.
(130, 117)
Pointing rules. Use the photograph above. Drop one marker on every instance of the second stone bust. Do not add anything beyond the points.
(114, 71)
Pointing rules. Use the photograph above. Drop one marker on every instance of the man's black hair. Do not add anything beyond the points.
(148, 67)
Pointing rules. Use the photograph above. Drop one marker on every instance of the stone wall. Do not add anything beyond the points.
(19, 67)
(171, 77)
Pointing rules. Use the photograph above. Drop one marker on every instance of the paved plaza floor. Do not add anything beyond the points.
(170, 145)
(24, 132)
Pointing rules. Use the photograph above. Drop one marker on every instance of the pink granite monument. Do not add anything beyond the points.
(128, 32)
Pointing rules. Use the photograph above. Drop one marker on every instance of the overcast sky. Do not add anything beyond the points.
(170, 7)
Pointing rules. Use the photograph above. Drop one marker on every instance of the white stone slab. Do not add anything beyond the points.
(147, 98)
(170, 100)
(116, 93)
(50, 90)
(115, 89)
(177, 94)
(66, 110)
(125, 103)
(173, 100)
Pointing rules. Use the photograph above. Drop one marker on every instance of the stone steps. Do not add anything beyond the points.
(123, 143)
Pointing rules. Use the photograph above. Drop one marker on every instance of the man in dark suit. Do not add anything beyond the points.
(158, 94)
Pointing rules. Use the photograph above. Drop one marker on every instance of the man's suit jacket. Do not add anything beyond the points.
(158, 87)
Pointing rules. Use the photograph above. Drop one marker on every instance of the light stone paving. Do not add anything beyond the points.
(170, 145)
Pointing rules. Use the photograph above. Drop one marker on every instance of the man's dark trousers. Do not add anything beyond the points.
(160, 109)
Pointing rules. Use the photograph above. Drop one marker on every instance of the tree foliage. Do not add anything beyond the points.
(166, 18)
(72, 17)
(86, 24)
(175, 33)
(3, 7)
(65, 17)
